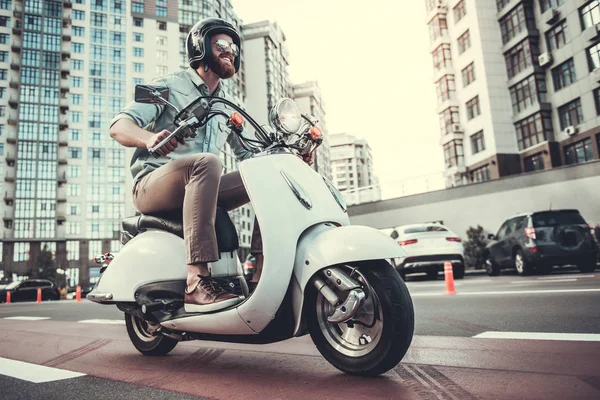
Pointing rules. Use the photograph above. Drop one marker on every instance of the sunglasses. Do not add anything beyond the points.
(224, 46)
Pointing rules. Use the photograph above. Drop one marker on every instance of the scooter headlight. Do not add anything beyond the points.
(336, 195)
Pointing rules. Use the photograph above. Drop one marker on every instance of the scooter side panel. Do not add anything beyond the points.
(323, 245)
(149, 257)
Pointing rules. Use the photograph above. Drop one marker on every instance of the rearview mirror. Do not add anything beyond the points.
(151, 94)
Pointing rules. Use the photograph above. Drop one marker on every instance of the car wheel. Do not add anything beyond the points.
(491, 267)
(522, 266)
(588, 266)
(458, 271)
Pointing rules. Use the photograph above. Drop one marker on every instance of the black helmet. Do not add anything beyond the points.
(198, 40)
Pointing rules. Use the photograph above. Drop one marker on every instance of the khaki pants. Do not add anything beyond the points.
(195, 183)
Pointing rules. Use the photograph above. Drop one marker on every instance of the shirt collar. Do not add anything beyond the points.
(197, 79)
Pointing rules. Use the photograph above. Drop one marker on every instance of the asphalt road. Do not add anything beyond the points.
(450, 357)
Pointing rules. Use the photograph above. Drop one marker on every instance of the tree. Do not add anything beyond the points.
(475, 247)
(45, 264)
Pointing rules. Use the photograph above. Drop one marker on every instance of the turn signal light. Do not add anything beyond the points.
(405, 242)
(236, 119)
(316, 132)
(453, 239)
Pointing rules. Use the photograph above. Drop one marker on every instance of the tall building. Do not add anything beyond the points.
(66, 68)
(517, 85)
(352, 169)
(308, 97)
(266, 77)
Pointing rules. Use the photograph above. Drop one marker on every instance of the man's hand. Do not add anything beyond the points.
(159, 137)
(307, 159)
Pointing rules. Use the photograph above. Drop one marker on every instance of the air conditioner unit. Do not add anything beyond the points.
(545, 59)
(551, 16)
(456, 128)
(596, 74)
(570, 130)
(592, 33)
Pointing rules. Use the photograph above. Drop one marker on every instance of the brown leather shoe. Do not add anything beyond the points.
(208, 296)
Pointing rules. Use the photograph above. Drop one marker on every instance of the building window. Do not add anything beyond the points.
(593, 56)
(481, 174)
(597, 100)
(528, 92)
(161, 41)
(570, 114)
(448, 117)
(137, 8)
(162, 26)
(138, 37)
(460, 10)
(548, 4)
(516, 22)
(445, 88)
(438, 27)
(532, 130)
(579, 152)
(138, 22)
(468, 74)
(72, 250)
(464, 42)
(534, 163)
(162, 70)
(161, 11)
(590, 14)
(78, 15)
(564, 74)
(453, 154)
(441, 57)
(138, 52)
(557, 37)
(138, 67)
(473, 109)
(477, 143)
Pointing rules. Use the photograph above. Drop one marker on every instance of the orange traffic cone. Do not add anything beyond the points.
(449, 278)
(78, 293)
(39, 295)
(8, 297)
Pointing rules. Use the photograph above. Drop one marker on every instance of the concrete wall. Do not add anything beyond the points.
(490, 203)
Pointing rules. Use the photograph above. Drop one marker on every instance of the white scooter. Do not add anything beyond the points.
(320, 276)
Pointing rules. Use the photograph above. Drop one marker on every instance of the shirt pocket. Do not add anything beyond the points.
(221, 135)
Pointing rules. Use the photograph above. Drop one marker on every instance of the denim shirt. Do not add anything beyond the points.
(184, 86)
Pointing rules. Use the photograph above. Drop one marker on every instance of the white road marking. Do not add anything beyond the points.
(103, 321)
(585, 337)
(33, 372)
(18, 318)
(566, 276)
(506, 292)
(546, 281)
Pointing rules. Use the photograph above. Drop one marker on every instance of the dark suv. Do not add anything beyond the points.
(541, 240)
(27, 290)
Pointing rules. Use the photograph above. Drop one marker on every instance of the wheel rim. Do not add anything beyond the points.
(488, 265)
(143, 329)
(519, 262)
(358, 340)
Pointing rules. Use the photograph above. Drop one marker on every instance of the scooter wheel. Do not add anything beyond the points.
(378, 336)
(140, 334)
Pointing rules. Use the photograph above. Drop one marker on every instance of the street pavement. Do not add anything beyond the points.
(505, 337)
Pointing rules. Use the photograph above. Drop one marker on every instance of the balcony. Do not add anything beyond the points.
(447, 103)
(527, 32)
(63, 143)
(9, 197)
(551, 16)
(443, 70)
(17, 31)
(62, 178)
(67, 4)
(13, 103)
(10, 175)
(592, 33)
(66, 38)
(455, 132)
(440, 40)
(12, 121)
(10, 159)
(62, 160)
(14, 85)
(64, 108)
(11, 140)
(8, 216)
(455, 169)
(533, 109)
(15, 48)
(67, 22)
(15, 66)
(441, 8)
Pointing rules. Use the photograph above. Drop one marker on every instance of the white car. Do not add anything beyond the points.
(428, 247)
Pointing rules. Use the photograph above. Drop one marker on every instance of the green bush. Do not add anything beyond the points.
(475, 247)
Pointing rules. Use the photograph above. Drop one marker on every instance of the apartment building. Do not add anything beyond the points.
(517, 84)
(66, 68)
(307, 96)
(352, 169)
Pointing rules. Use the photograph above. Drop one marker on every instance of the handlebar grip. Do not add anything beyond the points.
(153, 150)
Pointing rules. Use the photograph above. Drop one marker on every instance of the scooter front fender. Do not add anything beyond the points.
(325, 244)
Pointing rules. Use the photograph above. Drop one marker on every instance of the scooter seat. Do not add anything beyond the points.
(172, 221)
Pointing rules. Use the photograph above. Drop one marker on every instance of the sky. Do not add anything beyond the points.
(372, 62)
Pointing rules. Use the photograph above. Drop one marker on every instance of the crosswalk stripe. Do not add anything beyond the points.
(103, 321)
(584, 337)
(24, 318)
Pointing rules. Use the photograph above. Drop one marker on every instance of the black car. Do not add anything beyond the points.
(27, 290)
(541, 240)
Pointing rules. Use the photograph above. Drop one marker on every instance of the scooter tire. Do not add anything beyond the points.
(398, 323)
(146, 344)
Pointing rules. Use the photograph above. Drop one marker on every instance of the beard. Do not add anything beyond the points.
(221, 67)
